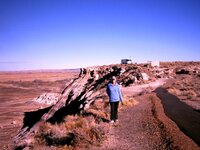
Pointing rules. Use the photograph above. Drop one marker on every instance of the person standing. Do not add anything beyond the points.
(115, 96)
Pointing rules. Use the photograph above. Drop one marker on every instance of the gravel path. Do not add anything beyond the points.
(145, 126)
(137, 129)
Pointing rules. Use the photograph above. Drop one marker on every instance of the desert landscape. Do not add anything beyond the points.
(17, 89)
(69, 109)
(59, 57)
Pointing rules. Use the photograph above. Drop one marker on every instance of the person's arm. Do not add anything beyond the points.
(120, 95)
(107, 91)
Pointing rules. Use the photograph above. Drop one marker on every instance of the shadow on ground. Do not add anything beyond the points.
(187, 119)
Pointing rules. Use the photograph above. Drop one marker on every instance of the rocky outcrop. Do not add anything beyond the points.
(47, 98)
(182, 71)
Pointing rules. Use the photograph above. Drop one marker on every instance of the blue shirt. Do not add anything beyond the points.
(114, 92)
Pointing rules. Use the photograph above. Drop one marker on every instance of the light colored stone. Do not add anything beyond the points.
(14, 122)
(145, 76)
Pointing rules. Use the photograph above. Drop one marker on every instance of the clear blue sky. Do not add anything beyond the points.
(60, 34)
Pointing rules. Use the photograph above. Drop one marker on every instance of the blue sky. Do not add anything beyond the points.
(60, 34)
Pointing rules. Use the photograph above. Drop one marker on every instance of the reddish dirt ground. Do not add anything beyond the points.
(145, 126)
(142, 126)
(17, 89)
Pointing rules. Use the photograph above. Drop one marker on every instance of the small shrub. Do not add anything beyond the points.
(53, 135)
(75, 131)
(73, 122)
(98, 115)
(129, 102)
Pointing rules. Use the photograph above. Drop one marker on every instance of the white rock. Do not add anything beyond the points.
(14, 122)
(145, 76)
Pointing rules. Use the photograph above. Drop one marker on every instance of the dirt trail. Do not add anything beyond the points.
(139, 128)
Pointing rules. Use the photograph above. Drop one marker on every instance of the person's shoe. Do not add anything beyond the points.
(112, 121)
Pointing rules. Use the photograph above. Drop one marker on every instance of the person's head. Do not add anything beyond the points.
(113, 80)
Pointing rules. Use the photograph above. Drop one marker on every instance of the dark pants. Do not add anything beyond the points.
(114, 110)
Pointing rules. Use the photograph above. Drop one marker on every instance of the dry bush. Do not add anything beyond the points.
(99, 115)
(128, 101)
(191, 95)
(89, 135)
(50, 135)
(98, 104)
(187, 89)
(75, 132)
(85, 129)
(174, 91)
(100, 110)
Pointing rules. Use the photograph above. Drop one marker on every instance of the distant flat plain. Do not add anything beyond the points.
(17, 89)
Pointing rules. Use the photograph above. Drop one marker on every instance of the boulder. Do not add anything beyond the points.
(182, 71)
(145, 76)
